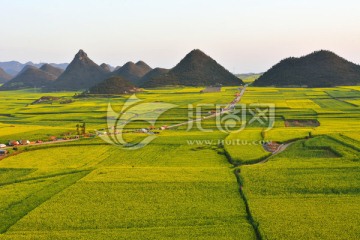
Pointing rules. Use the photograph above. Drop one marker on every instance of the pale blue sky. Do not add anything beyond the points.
(242, 35)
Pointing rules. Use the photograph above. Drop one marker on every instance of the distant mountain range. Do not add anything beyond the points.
(195, 69)
(4, 76)
(318, 69)
(52, 70)
(106, 67)
(133, 72)
(14, 67)
(246, 75)
(31, 77)
(82, 73)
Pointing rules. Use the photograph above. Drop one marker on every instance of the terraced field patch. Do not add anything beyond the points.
(314, 186)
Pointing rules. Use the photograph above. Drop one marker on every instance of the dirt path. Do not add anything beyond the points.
(280, 149)
(43, 143)
(227, 109)
(35, 144)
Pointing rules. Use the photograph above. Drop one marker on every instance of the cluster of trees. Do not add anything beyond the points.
(81, 128)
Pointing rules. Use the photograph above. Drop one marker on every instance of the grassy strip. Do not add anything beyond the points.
(250, 218)
(8, 174)
(18, 210)
(49, 146)
(325, 148)
(340, 99)
(342, 141)
(240, 163)
(40, 177)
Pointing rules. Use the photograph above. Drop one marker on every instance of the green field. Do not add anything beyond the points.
(183, 184)
(313, 186)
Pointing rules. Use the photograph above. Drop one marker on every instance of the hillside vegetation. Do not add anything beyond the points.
(4, 76)
(318, 69)
(195, 69)
(133, 72)
(30, 77)
(82, 73)
(113, 85)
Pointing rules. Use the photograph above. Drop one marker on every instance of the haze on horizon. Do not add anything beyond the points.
(242, 35)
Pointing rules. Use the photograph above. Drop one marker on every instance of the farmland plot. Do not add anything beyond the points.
(181, 185)
(161, 190)
(311, 190)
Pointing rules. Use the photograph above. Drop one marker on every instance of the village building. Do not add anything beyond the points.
(3, 152)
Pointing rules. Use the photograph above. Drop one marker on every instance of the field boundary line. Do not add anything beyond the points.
(340, 100)
(40, 177)
(249, 217)
(34, 200)
(346, 144)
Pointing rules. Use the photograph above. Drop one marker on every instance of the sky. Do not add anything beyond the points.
(242, 35)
